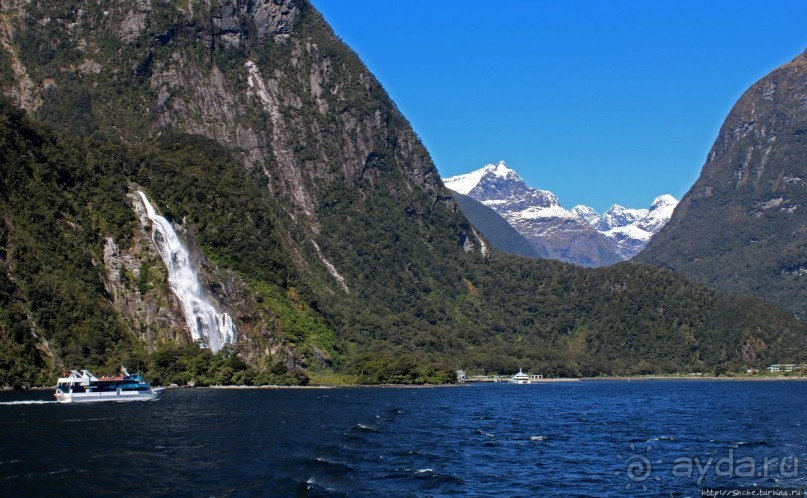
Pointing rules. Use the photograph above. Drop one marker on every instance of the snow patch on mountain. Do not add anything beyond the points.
(465, 183)
(536, 214)
(618, 216)
(660, 213)
(587, 214)
(554, 211)
(629, 230)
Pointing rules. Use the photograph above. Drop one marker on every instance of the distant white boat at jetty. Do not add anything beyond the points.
(520, 378)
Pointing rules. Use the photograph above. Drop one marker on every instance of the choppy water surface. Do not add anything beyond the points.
(591, 438)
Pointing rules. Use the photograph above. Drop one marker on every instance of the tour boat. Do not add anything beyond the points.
(81, 386)
(520, 378)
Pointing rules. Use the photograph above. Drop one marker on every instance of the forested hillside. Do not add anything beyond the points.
(742, 227)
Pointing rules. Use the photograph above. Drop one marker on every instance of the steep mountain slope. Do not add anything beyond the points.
(353, 193)
(84, 284)
(316, 218)
(629, 230)
(743, 224)
(554, 232)
(494, 228)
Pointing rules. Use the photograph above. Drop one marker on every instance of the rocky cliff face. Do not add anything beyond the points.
(137, 283)
(741, 226)
(315, 216)
(270, 83)
(266, 79)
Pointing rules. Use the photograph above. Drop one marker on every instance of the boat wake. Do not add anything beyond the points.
(28, 402)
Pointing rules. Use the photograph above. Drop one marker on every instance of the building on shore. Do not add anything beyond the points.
(784, 367)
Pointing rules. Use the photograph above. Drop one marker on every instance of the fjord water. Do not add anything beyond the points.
(590, 438)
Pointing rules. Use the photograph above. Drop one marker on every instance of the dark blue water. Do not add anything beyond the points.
(591, 438)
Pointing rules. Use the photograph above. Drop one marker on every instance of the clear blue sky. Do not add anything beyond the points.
(601, 102)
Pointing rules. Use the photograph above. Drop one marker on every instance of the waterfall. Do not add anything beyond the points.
(207, 325)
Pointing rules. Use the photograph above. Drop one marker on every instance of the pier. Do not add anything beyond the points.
(462, 378)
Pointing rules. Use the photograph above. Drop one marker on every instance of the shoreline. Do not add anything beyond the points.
(427, 386)
(327, 386)
(700, 377)
(539, 381)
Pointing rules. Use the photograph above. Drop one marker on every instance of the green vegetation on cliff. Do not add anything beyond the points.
(51, 202)
(62, 197)
(443, 309)
(741, 227)
(318, 217)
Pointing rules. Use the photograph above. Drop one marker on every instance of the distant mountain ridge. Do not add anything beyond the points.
(630, 230)
(536, 215)
(580, 236)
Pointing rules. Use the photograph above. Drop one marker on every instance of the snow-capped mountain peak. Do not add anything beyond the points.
(587, 214)
(618, 216)
(467, 182)
(629, 230)
(664, 202)
(501, 170)
(536, 214)
(496, 184)
(579, 236)
(660, 212)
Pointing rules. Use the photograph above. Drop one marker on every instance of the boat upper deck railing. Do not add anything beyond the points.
(85, 377)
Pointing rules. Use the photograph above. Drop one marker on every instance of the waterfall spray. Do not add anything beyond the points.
(207, 325)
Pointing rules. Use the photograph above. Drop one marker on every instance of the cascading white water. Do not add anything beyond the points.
(207, 325)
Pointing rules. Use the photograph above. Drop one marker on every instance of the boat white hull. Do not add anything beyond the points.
(107, 396)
